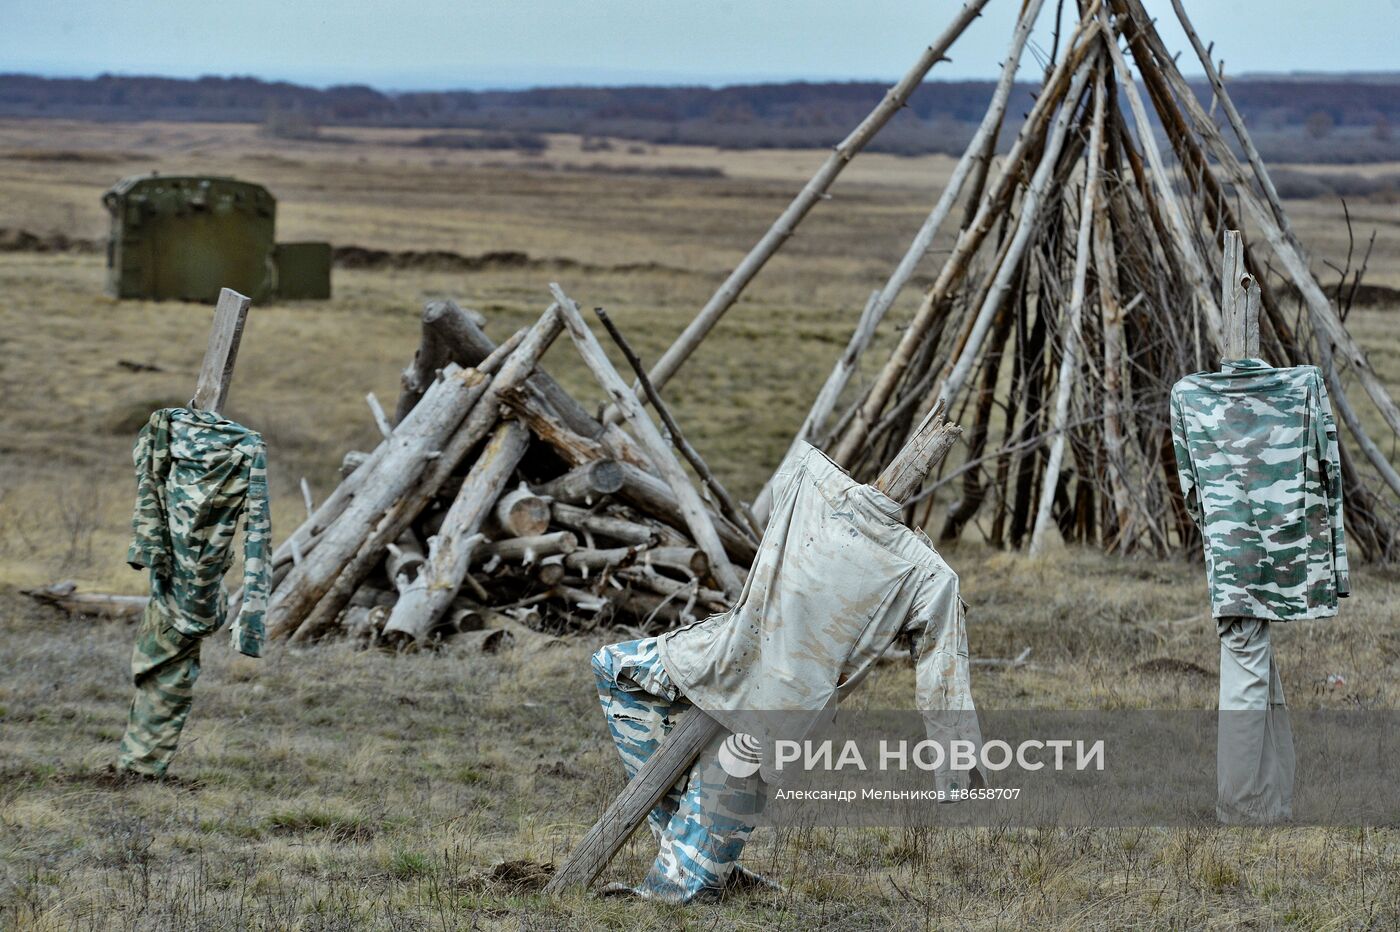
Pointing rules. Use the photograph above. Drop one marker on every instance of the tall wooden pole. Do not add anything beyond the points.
(1069, 355)
(814, 191)
(1066, 82)
(975, 156)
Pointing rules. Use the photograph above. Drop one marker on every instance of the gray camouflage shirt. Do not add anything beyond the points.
(1256, 450)
(196, 474)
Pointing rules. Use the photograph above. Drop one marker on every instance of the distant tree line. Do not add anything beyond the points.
(1308, 117)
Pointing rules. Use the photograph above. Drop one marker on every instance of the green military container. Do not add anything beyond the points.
(303, 270)
(184, 237)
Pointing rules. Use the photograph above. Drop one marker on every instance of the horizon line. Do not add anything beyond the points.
(640, 79)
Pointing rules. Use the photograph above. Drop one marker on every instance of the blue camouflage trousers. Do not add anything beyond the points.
(703, 822)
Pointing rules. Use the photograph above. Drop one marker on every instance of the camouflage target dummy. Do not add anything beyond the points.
(196, 474)
(1256, 451)
(838, 579)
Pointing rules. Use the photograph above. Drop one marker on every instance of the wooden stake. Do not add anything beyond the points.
(211, 391)
(692, 733)
(930, 442)
(1239, 301)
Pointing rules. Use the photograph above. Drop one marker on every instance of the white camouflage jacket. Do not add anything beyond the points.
(838, 579)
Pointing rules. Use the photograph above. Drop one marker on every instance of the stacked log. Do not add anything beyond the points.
(497, 495)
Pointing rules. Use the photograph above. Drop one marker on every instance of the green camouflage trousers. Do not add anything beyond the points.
(164, 666)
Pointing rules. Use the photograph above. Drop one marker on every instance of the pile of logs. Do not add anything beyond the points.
(496, 491)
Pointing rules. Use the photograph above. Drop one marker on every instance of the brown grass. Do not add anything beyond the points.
(331, 788)
(334, 789)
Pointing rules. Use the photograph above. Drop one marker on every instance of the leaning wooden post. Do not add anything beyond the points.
(216, 372)
(211, 391)
(691, 506)
(694, 730)
(731, 508)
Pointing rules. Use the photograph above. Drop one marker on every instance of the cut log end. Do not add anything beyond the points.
(521, 513)
(586, 484)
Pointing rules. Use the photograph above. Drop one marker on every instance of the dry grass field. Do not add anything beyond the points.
(328, 788)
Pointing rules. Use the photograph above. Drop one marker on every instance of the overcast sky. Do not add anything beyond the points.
(434, 44)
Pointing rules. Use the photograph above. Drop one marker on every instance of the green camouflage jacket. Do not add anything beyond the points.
(1256, 450)
(196, 473)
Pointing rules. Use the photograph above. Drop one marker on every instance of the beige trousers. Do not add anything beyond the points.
(1255, 764)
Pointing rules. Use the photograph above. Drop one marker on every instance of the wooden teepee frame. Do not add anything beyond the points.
(1088, 261)
(1084, 259)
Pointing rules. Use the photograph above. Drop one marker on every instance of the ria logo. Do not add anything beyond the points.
(741, 755)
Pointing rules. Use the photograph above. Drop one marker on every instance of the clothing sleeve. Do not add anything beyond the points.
(1185, 470)
(1330, 456)
(247, 629)
(943, 687)
(150, 528)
